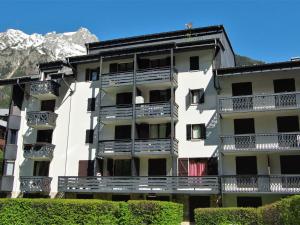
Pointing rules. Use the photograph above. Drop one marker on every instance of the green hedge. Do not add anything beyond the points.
(283, 212)
(224, 216)
(63, 211)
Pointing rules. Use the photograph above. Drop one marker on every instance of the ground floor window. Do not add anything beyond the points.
(249, 201)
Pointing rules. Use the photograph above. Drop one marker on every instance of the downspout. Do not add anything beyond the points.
(70, 109)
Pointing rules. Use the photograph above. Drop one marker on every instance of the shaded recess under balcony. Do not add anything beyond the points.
(41, 119)
(35, 184)
(140, 184)
(44, 90)
(253, 184)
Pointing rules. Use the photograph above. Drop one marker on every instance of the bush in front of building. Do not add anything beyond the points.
(67, 211)
(226, 216)
(283, 212)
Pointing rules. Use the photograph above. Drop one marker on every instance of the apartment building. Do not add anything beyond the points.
(259, 140)
(163, 116)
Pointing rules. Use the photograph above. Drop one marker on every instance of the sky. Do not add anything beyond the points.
(267, 30)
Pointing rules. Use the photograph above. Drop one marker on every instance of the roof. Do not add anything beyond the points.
(58, 64)
(155, 47)
(16, 80)
(141, 39)
(286, 65)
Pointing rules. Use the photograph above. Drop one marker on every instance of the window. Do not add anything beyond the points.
(197, 96)
(44, 136)
(195, 131)
(249, 202)
(120, 67)
(91, 104)
(48, 105)
(194, 63)
(89, 136)
(92, 74)
(9, 168)
(160, 95)
(13, 136)
(41, 168)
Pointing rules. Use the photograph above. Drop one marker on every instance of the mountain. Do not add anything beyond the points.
(246, 61)
(20, 52)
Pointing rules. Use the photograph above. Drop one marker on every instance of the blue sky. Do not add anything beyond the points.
(262, 29)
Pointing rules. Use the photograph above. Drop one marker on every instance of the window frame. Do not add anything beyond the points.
(189, 130)
(6, 162)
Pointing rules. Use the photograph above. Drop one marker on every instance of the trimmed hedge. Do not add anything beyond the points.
(67, 211)
(283, 212)
(224, 216)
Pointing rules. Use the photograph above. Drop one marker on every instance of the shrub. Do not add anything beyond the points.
(224, 216)
(65, 211)
(285, 211)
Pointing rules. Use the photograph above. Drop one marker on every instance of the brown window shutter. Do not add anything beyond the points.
(183, 167)
(188, 132)
(86, 168)
(83, 168)
(203, 131)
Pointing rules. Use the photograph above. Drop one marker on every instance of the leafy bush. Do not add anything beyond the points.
(224, 216)
(283, 212)
(64, 211)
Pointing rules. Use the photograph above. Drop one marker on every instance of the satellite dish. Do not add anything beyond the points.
(189, 25)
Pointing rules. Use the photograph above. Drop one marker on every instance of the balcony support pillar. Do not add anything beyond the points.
(134, 171)
(100, 101)
(172, 102)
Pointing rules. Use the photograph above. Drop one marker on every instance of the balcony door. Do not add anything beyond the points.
(244, 130)
(242, 103)
(287, 127)
(48, 105)
(44, 136)
(290, 165)
(160, 95)
(124, 98)
(283, 86)
(123, 132)
(157, 167)
(246, 169)
(41, 168)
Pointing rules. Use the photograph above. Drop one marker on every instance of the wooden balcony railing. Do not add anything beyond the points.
(35, 184)
(155, 146)
(151, 75)
(141, 146)
(116, 112)
(166, 184)
(285, 184)
(264, 102)
(44, 90)
(41, 119)
(155, 110)
(261, 142)
(39, 151)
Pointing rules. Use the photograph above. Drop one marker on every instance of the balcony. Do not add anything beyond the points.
(281, 184)
(260, 103)
(153, 75)
(35, 184)
(277, 142)
(41, 119)
(114, 113)
(114, 147)
(44, 90)
(39, 151)
(166, 184)
(155, 146)
(155, 110)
